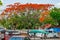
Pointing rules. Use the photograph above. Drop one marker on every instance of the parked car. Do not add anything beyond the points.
(19, 38)
(12, 32)
(52, 33)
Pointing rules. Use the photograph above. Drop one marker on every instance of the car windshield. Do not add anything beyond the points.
(16, 38)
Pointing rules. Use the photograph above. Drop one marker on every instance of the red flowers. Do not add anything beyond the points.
(18, 6)
(41, 19)
(21, 7)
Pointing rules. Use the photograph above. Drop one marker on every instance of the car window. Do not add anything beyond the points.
(16, 38)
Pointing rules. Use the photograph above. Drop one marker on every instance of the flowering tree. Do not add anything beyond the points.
(22, 21)
(20, 16)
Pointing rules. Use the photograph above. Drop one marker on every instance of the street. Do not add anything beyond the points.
(44, 39)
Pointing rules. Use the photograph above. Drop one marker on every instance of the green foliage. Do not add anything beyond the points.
(50, 21)
(0, 2)
(22, 21)
(55, 14)
(4, 23)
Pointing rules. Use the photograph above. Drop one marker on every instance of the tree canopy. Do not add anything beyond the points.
(0, 2)
(55, 14)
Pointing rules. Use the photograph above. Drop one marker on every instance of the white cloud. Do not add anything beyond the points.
(57, 5)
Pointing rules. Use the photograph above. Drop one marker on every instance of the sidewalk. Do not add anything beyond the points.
(46, 39)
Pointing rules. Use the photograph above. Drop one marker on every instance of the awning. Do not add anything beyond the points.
(54, 29)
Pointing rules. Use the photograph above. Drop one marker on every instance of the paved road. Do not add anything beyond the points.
(44, 39)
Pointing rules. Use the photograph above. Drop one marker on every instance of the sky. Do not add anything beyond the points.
(55, 2)
(31, 1)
